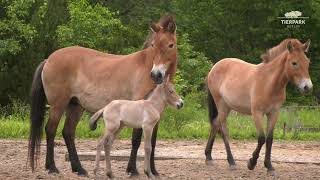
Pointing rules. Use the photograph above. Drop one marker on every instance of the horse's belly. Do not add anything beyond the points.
(237, 101)
(93, 99)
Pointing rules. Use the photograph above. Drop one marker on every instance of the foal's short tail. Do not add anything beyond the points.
(94, 118)
(38, 102)
(213, 112)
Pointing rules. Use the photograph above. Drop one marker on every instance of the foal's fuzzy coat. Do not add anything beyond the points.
(143, 114)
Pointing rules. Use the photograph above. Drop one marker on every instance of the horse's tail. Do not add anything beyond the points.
(38, 102)
(94, 118)
(213, 112)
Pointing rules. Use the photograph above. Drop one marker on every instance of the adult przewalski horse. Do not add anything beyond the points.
(75, 79)
(257, 90)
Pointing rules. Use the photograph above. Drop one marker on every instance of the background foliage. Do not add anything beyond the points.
(209, 30)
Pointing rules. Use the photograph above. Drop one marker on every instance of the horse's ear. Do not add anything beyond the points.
(306, 45)
(155, 27)
(171, 27)
(289, 46)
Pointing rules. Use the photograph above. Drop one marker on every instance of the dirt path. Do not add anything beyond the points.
(291, 160)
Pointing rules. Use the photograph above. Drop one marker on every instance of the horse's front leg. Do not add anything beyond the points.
(136, 140)
(272, 119)
(258, 120)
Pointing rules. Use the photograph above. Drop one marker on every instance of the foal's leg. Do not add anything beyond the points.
(136, 140)
(98, 154)
(107, 150)
(147, 151)
(55, 114)
(258, 120)
(153, 143)
(73, 115)
(272, 119)
(225, 135)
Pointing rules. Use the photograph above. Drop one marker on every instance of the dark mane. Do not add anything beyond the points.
(274, 52)
(165, 22)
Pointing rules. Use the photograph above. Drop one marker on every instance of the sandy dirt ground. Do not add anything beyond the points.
(292, 160)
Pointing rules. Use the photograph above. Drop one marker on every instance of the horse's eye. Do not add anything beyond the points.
(152, 45)
(171, 45)
(294, 63)
(170, 91)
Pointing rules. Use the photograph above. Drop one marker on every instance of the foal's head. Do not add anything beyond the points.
(297, 65)
(164, 48)
(170, 95)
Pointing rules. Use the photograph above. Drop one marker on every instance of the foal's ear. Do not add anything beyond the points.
(168, 79)
(290, 46)
(306, 45)
(155, 27)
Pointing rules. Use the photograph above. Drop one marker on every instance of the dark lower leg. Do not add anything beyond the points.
(136, 140)
(210, 142)
(255, 155)
(267, 160)
(227, 146)
(153, 144)
(50, 164)
(72, 118)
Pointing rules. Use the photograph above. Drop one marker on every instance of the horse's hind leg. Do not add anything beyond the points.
(55, 113)
(225, 137)
(73, 115)
(215, 126)
(258, 118)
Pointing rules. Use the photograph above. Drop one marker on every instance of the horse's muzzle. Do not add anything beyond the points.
(305, 86)
(157, 77)
(180, 104)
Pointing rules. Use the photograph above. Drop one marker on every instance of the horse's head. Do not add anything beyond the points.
(164, 49)
(297, 65)
(170, 94)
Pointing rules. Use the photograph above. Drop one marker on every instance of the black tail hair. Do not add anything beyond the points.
(38, 102)
(213, 111)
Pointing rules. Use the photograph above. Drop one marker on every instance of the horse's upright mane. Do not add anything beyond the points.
(165, 21)
(274, 52)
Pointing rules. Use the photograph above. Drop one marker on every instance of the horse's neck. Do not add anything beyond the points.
(141, 75)
(276, 75)
(157, 100)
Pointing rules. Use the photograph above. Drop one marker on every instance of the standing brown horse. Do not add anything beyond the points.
(75, 79)
(257, 90)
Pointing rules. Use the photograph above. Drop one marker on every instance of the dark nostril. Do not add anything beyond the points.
(159, 75)
(306, 88)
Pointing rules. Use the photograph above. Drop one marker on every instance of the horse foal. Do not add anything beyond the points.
(143, 114)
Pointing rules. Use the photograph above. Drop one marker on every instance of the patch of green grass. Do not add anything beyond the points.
(191, 122)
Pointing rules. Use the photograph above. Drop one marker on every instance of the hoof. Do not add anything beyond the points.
(150, 175)
(82, 172)
(110, 175)
(95, 171)
(271, 172)
(209, 162)
(155, 172)
(53, 170)
(232, 167)
(251, 165)
(133, 173)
